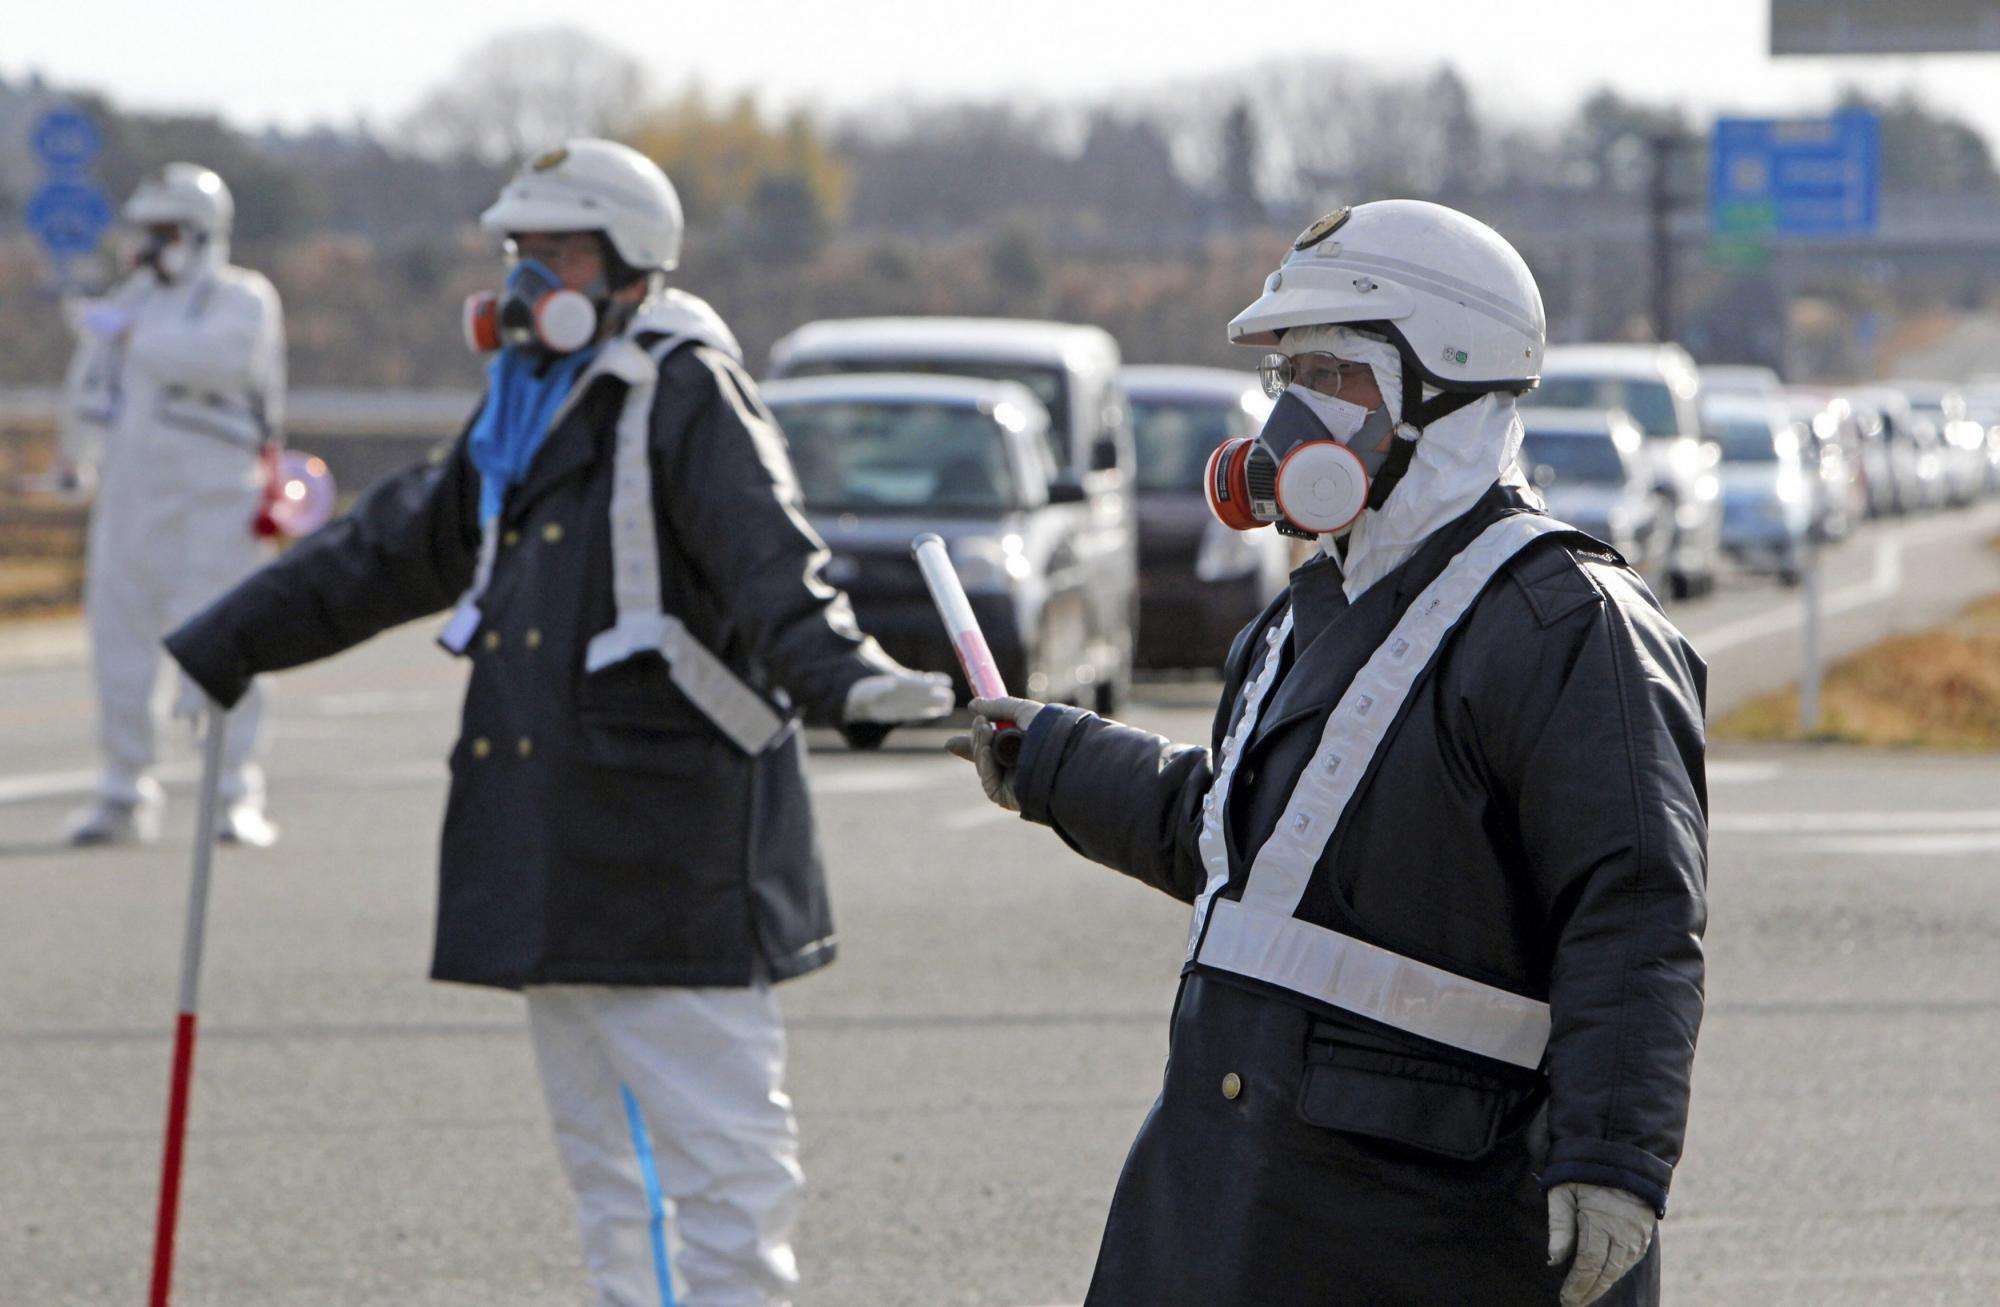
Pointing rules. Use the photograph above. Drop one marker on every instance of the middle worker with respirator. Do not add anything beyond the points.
(618, 536)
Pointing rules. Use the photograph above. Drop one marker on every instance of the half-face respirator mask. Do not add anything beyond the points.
(167, 250)
(1311, 470)
(534, 309)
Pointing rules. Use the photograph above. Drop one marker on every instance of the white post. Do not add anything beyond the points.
(1809, 636)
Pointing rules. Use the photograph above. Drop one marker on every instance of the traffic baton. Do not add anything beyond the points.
(184, 1022)
(962, 625)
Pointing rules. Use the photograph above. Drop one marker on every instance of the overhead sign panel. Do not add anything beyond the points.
(1884, 26)
(1795, 176)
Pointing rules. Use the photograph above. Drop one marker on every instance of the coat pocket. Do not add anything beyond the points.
(1434, 1107)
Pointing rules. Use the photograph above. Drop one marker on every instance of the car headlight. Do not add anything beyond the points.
(1226, 555)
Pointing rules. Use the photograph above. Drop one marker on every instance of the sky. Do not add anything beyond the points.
(257, 62)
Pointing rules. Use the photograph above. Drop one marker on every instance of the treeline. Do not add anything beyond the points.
(1154, 215)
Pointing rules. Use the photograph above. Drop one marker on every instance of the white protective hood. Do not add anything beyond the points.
(1457, 460)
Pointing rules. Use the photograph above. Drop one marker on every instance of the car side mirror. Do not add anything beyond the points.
(1067, 490)
(1103, 454)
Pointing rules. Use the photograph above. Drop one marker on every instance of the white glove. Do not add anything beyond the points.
(191, 701)
(107, 321)
(977, 748)
(1607, 1229)
(894, 698)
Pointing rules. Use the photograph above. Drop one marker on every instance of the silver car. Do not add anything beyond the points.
(882, 459)
(1767, 500)
(1590, 468)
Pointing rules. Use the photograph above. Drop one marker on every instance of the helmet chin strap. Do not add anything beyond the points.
(1418, 412)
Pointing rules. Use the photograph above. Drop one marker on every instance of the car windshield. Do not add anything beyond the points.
(1587, 458)
(1048, 384)
(865, 456)
(1174, 438)
(1744, 440)
(1650, 403)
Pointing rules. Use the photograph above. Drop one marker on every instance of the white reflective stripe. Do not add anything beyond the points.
(642, 624)
(1215, 806)
(1359, 977)
(1361, 720)
(465, 618)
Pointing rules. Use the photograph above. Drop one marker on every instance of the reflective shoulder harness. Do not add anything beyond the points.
(642, 624)
(1259, 936)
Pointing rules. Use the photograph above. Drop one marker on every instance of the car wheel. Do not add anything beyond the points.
(1679, 586)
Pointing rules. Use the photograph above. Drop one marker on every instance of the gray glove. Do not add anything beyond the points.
(897, 698)
(1607, 1229)
(977, 748)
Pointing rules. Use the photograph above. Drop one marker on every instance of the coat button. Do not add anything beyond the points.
(552, 532)
(525, 747)
(1232, 1085)
(481, 747)
(533, 637)
(510, 537)
(492, 640)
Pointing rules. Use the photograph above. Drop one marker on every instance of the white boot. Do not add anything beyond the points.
(120, 821)
(243, 822)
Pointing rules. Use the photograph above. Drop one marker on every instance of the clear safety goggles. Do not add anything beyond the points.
(1324, 373)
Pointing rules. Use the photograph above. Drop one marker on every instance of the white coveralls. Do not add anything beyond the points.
(173, 412)
(673, 1129)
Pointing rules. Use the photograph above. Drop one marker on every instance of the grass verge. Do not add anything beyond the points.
(1936, 689)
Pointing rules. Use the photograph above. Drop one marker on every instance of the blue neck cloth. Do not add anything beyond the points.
(513, 422)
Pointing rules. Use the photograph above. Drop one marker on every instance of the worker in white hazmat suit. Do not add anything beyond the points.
(174, 393)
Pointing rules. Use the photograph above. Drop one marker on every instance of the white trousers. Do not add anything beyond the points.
(677, 1139)
(151, 567)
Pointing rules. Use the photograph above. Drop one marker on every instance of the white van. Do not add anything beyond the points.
(1073, 370)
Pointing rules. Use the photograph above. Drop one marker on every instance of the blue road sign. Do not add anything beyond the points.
(1795, 176)
(65, 139)
(68, 217)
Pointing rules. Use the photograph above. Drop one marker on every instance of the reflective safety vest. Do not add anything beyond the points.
(1260, 934)
(642, 625)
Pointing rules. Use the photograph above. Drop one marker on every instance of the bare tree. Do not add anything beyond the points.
(522, 92)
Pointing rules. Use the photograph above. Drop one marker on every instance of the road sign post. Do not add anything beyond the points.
(69, 212)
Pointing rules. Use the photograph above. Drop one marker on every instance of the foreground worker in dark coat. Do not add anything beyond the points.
(1447, 852)
(628, 837)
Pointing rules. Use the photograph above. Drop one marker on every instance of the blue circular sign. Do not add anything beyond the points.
(68, 217)
(66, 139)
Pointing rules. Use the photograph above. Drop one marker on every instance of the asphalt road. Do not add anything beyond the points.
(970, 1073)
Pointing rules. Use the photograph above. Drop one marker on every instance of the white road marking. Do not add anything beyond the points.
(1743, 773)
(987, 814)
(31, 786)
(876, 780)
(1860, 823)
(375, 703)
(1908, 846)
(1887, 578)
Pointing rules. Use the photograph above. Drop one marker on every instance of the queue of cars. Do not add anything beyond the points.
(1067, 486)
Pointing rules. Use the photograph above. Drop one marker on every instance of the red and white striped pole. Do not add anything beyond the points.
(178, 1085)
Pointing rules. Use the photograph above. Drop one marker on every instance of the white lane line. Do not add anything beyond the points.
(986, 814)
(374, 703)
(1887, 578)
(1743, 773)
(1909, 846)
(29, 787)
(1859, 823)
(877, 780)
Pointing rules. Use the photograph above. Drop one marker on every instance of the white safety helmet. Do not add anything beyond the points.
(186, 194)
(1449, 291)
(593, 185)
